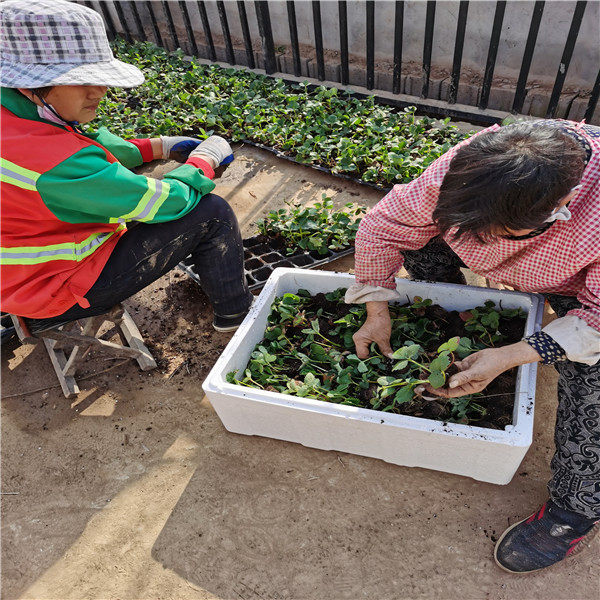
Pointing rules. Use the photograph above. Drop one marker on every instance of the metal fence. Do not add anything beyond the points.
(155, 21)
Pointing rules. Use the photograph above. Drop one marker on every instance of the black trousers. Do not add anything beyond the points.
(209, 233)
(575, 482)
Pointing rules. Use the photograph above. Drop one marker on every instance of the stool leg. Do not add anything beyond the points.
(90, 326)
(134, 340)
(59, 360)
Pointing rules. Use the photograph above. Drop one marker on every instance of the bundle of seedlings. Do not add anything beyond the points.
(308, 351)
(318, 228)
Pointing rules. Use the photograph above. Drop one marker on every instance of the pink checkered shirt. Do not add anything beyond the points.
(564, 260)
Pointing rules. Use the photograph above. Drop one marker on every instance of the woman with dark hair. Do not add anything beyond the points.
(519, 205)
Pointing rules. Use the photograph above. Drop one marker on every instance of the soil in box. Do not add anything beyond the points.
(307, 351)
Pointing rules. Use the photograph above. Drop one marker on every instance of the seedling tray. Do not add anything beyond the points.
(317, 167)
(261, 258)
(483, 454)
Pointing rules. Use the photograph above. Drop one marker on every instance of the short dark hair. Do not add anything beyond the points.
(42, 92)
(512, 178)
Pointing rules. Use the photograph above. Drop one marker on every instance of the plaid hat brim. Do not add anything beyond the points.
(112, 73)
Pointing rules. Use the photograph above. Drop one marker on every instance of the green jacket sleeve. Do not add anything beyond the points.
(86, 188)
(125, 152)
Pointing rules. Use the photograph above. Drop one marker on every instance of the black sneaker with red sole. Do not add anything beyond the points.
(543, 539)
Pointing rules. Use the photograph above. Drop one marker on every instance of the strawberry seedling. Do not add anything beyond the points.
(317, 228)
(308, 351)
(327, 127)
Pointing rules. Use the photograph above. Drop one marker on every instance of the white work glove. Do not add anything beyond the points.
(177, 147)
(216, 149)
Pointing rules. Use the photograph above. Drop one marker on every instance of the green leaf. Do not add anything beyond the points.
(411, 352)
(437, 379)
(405, 394)
(451, 345)
(310, 380)
(387, 392)
(440, 363)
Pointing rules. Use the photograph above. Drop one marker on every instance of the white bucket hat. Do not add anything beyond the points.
(54, 42)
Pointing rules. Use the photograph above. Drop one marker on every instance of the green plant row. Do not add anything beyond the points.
(325, 126)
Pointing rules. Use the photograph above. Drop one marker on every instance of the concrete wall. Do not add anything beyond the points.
(551, 39)
(553, 32)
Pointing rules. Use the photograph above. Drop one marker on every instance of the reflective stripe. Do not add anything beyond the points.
(16, 175)
(149, 204)
(30, 255)
(162, 193)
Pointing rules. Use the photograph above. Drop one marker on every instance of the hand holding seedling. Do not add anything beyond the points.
(377, 328)
(479, 369)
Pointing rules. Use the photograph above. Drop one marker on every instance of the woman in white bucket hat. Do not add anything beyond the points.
(69, 195)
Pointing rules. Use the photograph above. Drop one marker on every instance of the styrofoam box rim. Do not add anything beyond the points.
(236, 354)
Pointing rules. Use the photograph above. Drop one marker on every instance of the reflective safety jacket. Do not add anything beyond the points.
(66, 198)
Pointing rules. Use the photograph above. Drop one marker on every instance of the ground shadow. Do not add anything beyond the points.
(262, 518)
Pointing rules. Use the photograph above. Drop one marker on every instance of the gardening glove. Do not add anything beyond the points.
(216, 149)
(177, 147)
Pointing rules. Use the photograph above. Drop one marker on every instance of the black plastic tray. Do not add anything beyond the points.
(261, 258)
(317, 167)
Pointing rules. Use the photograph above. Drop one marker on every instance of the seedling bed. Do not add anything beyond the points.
(263, 254)
(308, 351)
(326, 127)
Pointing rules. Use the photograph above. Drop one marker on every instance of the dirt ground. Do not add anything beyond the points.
(136, 490)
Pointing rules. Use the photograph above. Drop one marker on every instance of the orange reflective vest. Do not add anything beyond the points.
(48, 278)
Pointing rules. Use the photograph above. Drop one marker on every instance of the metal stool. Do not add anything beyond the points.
(83, 337)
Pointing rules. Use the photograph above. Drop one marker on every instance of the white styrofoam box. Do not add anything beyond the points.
(484, 454)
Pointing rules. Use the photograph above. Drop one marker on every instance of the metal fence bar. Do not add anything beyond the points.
(370, 44)
(167, 11)
(246, 34)
(427, 47)
(154, 24)
(520, 91)
(207, 33)
(589, 111)
(459, 43)
(123, 21)
(188, 27)
(128, 16)
(398, 33)
(291, 11)
(266, 34)
(343, 22)
(492, 53)
(110, 25)
(316, 11)
(226, 34)
(566, 59)
(138, 20)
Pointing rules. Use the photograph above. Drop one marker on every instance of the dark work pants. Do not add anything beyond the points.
(209, 233)
(575, 483)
